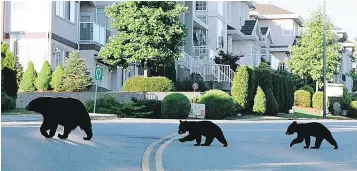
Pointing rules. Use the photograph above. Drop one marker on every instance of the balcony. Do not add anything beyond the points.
(92, 32)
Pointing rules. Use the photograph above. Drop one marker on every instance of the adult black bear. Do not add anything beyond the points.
(197, 129)
(305, 130)
(68, 112)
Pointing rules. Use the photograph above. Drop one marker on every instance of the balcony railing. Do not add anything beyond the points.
(204, 52)
(92, 32)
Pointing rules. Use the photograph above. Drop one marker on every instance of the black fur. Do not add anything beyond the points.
(68, 112)
(197, 129)
(305, 130)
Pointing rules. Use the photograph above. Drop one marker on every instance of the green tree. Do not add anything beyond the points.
(7, 57)
(307, 54)
(8, 71)
(76, 75)
(148, 32)
(260, 104)
(19, 71)
(57, 78)
(28, 80)
(42, 82)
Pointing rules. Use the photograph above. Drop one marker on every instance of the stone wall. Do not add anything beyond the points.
(23, 98)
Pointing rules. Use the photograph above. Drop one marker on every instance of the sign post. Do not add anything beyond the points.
(98, 76)
(195, 87)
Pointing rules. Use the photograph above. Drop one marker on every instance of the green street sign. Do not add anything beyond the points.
(98, 73)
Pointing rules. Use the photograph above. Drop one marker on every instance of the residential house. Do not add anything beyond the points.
(285, 26)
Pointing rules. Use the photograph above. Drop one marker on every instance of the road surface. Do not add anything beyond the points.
(120, 145)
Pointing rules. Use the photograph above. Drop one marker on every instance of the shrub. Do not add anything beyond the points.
(175, 106)
(308, 88)
(318, 100)
(218, 104)
(264, 78)
(302, 98)
(57, 78)
(76, 75)
(195, 100)
(9, 82)
(28, 79)
(346, 99)
(278, 91)
(151, 106)
(147, 84)
(42, 82)
(7, 57)
(186, 85)
(272, 105)
(352, 110)
(7, 102)
(243, 90)
(260, 105)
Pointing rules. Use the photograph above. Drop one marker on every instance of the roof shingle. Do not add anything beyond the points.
(269, 9)
(248, 27)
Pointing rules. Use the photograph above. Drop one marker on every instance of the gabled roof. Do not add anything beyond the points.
(264, 30)
(269, 9)
(248, 27)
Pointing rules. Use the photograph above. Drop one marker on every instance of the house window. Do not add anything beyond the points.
(201, 5)
(200, 37)
(203, 18)
(101, 17)
(282, 66)
(287, 31)
(66, 10)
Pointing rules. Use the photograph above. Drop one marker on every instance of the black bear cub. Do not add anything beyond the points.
(305, 130)
(68, 112)
(201, 128)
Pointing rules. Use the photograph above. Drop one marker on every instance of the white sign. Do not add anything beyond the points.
(334, 90)
(195, 86)
(197, 111)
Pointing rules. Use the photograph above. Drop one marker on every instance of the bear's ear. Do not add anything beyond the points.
(180, 121)
(294, 122)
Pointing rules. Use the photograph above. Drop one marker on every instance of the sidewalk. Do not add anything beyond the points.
(34, 117)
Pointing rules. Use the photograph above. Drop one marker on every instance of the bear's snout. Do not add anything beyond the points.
(181, 132)
(287, 133)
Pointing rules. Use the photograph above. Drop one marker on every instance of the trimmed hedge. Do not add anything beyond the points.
(352, 110)
(175, 106)
(7, 102)
(147, 84)
(219, 104)
(264, 78)
(318, 100)
(272, 105)
(308, 88)
(302, 98)
(240, 87)
(260, 105)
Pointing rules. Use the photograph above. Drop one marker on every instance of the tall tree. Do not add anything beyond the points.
(43, 80)
(57, 78)
(307, 54)
(148, 32)
(8, 71)
(76, 74)
(28, 80)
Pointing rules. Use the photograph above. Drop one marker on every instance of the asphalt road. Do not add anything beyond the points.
(119, 145)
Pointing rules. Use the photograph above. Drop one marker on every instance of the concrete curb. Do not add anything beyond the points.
(38, 117)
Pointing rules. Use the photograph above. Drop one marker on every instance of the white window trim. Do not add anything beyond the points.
(72, 14)
(203, 16)
(202, 6)
(13, 4)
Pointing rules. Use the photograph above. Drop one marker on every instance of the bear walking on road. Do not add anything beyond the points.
(305, 130)
(68, 112)
(202, 128)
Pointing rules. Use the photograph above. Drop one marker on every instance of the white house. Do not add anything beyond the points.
(285, 27)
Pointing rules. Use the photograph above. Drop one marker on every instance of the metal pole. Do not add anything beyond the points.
(95, 95)
(325, 81)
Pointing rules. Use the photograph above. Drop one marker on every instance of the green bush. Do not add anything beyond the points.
(318, 100)
(352, 110)
(9, 82)
(219, 104)
(28, 79)
(147, 84)
(195, 100)
(42, 82)
(278, 91)
(175, 106)
(186, 85)
(346, 99)
(76, 74)
(7, 102)
(308, 88)
(151, 106)
(109, 105)
(57, 78)
(272, 105)
(243, 90)
(264, 78)
(260, 105)
(302, 98)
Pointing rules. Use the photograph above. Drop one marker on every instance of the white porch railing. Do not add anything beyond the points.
(93, 32)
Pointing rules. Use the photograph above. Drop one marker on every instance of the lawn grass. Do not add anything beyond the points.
(18, 111)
